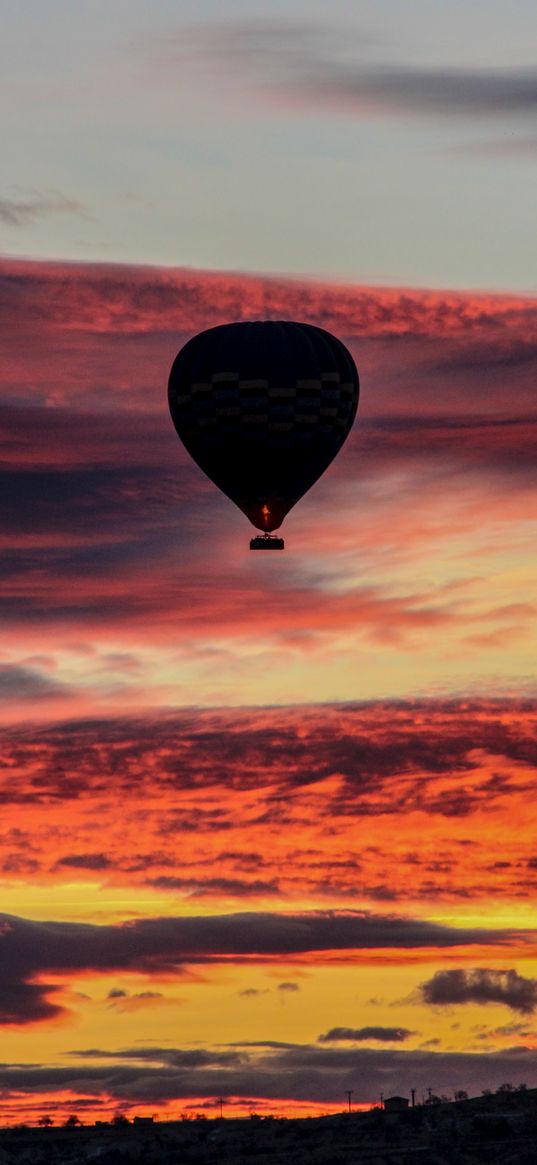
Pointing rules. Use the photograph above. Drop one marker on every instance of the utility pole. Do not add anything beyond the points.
(348, 1094)
(220, 1101)
(413, 1095)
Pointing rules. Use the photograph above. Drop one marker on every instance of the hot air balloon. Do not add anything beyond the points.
(263, 408)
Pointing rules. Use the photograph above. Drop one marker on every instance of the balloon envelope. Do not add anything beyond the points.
(263, 408)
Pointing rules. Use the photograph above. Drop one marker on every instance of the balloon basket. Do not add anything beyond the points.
(267, 542)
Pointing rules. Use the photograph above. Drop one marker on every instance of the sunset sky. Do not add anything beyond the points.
(269, 827)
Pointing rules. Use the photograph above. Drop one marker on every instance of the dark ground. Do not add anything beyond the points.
(491, 1130)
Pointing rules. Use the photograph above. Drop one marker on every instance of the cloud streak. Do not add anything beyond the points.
(335, 72)
(385, 1035)
(27, 684)
(481, 985)
(22, 212)
(397, 89)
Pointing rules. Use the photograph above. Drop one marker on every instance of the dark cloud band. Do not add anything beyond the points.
(29, 950)
(292, 1072)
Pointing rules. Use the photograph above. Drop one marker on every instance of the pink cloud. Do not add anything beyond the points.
(109, 527)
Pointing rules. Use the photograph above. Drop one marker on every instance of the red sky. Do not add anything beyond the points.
(247, 804)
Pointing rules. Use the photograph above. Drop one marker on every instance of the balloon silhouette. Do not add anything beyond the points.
(263, 408)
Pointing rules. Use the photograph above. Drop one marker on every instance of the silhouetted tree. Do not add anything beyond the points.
(72, 1122)
(45, 1121)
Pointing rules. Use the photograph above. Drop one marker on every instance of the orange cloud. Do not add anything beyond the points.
(382, 804)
